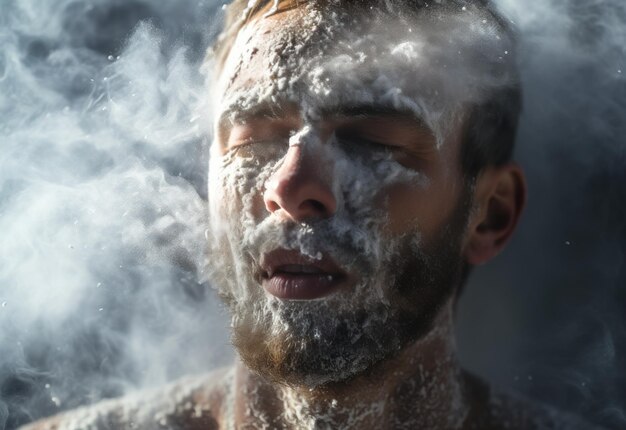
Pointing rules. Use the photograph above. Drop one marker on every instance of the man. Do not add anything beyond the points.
(360, 167)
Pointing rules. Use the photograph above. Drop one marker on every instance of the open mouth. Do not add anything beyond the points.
(290, 275)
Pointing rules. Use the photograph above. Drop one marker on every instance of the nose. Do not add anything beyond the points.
(300, 189)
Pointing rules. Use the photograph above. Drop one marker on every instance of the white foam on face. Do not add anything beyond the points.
(352, 237)
(359, 177)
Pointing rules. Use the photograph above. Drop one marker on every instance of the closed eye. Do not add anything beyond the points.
(414, 157)
(363, 142)
(260, 150)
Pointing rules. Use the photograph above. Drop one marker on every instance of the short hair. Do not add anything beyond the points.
(490, 126)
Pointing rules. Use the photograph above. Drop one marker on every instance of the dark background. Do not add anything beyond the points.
(545, 318)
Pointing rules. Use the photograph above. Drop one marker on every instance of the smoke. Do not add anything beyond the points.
(102, 206)
(102, 202)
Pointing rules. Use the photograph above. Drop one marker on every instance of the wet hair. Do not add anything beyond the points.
(490, 126)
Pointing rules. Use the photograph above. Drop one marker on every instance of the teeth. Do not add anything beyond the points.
(298, 268)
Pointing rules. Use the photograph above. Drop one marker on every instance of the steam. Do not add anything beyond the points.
(102, 208)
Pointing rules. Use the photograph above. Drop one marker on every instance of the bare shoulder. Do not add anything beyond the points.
(194, 402)
(494, 410)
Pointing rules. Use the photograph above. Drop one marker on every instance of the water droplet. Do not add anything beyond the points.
(100, 309)
(4, 304)
(99, 284)
(568, 243)
(110, 58)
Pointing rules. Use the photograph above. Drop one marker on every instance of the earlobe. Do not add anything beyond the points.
(499, 198)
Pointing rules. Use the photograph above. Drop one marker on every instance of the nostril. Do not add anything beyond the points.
(271, 206)
(314, 205)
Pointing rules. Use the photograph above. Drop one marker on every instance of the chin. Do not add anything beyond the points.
(314, 343)
(298, 347)
(311, 343)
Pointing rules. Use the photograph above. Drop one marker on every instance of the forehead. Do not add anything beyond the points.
(429, 65)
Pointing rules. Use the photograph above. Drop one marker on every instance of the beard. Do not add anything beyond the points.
(404, 283)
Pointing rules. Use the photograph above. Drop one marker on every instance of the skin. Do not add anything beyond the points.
(422, 386)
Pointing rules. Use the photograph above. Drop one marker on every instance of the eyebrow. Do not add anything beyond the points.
(233, 114)
(370, 110)
(277, 110)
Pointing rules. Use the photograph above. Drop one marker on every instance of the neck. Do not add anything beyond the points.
(418, 388)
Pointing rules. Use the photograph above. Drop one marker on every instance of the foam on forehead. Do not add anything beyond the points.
(431, 63)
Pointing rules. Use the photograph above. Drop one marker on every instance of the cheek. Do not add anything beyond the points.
(410, 207)
(216, 193)
(364, 181)
(236, 190)
(404, 205)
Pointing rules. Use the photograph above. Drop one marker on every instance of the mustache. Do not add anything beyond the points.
(351, 245)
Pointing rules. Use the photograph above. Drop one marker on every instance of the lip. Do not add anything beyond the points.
(289, 275)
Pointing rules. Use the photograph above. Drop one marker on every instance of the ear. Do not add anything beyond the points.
(499, 198)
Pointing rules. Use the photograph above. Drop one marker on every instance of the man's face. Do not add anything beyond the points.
(337, 204)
